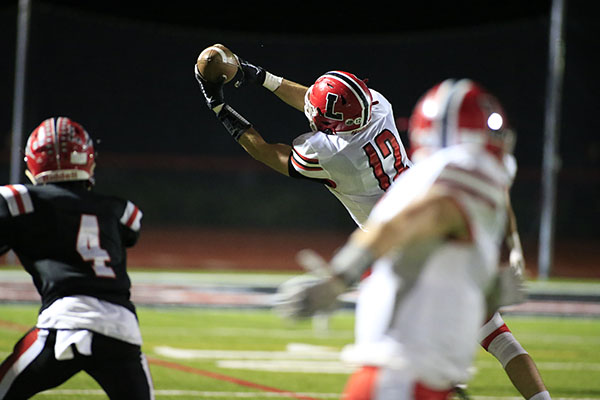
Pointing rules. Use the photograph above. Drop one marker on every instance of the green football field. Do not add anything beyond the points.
(203, 353)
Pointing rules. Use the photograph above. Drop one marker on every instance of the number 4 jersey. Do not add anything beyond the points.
(356, 167)
(71, 241)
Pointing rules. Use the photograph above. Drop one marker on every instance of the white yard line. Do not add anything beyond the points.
(301, 358)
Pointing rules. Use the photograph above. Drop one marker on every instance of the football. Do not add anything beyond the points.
(217, 62)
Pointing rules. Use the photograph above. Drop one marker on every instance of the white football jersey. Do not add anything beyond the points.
(413, 306)
(357, 167)
(475, 179)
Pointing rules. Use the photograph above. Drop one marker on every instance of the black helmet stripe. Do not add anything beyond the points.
(362, 96)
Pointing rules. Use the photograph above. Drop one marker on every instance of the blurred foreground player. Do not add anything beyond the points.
(72, 242)
(437, 234)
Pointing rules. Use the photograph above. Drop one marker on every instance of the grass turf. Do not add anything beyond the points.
(567, 351)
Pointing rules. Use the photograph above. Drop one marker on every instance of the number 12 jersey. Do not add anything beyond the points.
(356, 167)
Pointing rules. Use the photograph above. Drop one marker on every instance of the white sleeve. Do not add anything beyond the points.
(305, 159)
(132, 217)
(18, 199)
(473, 185)
(481, 199)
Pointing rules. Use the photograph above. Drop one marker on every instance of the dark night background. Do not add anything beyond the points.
(125, 72)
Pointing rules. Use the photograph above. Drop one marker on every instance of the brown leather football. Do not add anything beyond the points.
(216, 62)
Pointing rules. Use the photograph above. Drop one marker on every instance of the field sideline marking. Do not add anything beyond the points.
(226, 378)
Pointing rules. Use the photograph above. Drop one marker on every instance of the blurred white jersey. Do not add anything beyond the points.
(424, 306)
(356, 167)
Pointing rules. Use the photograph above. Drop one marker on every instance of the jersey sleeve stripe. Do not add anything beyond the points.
(304, 167)
(451, 184)
(132, 217)
(304, 158)
(18, 199)
(476, 182)
(474, 174)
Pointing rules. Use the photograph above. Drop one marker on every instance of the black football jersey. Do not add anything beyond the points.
(71, 240)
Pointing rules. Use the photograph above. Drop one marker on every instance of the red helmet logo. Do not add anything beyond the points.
(59, 150)
(454, 112)
(338, 102)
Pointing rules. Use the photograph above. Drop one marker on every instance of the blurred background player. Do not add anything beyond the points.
(439, 230)
(357, 162)
(72, 242)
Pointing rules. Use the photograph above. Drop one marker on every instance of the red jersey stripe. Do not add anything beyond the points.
(18, 198)
(132, 217)
(476, 174)
(24, 344)
(470, 191)
(305, 168)
(304, 158)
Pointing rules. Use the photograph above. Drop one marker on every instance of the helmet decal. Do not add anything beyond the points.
(332, 98)
(359, 92)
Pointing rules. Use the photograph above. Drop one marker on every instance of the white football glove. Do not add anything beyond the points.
(507, 289)
(309, 294)
(516, 260)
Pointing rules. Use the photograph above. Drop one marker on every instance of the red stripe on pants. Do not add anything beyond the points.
(20, 348)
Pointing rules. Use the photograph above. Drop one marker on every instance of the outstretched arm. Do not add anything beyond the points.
(289, 92)
(292, 93)
(273, 155)
(434, 215)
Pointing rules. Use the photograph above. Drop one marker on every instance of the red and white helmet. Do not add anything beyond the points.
(59, 150)
(338, 102)
(454, 112)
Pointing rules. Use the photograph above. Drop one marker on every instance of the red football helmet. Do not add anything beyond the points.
(454, 112)
(338, 102)
(59, 150)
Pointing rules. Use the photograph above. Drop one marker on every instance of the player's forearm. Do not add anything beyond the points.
(431, 217)
(273, 155)
(292, 93)
(435, 216)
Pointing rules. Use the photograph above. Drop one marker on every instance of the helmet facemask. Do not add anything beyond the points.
(310, 110)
